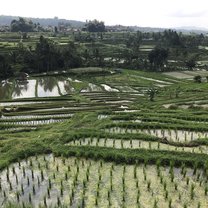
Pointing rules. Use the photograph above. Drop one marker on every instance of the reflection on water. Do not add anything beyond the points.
(48, 83)
(24, 90)
(92, 88)
(109, 89)
(40, 87)
(6, 88)
(48, 87)
(65, 87)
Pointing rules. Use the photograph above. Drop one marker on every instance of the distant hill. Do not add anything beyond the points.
(197, 30)
(147, 29)
(6, 20)
(192, 29)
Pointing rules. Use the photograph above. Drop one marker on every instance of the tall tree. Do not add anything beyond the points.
(22, 25)
(95, 26)
(5, 68)
(46, 54)
(157, 58)
(71, 56)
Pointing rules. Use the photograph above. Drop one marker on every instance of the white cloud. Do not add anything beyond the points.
(156, 13)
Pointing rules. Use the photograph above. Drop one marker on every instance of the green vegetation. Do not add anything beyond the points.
(147, 134)
(22, 25)
(157, 58)
(86, 130)
(95, 26)
(36, 52)
(88, 183)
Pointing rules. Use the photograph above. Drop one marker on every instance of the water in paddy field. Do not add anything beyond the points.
(92, 88)
(19, 103)
(135, 144)
(109, 89)
(39, 87)
(51, 86)
(24, 89)
(48, 181)
(47, 87)
(169, 134)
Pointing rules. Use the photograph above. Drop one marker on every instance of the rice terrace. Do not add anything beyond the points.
(103, 118)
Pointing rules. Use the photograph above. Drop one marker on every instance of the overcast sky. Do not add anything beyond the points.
(154, 13)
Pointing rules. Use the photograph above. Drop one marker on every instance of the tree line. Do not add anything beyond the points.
(49, 56)
(24, 25)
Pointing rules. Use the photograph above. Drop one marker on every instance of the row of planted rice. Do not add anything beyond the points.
(53, 182)
(136, 144)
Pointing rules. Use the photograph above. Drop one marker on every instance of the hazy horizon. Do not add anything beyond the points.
(149, 13)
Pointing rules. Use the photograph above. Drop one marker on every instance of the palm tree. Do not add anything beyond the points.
(151, 92)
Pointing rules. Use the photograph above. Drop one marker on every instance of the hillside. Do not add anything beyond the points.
(6, 20)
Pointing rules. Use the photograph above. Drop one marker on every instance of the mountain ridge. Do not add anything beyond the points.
(6, 20)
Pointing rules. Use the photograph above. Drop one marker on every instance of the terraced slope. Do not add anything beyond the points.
(105, 144)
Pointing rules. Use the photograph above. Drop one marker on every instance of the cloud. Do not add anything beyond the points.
(155, 13)
(189, 14)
